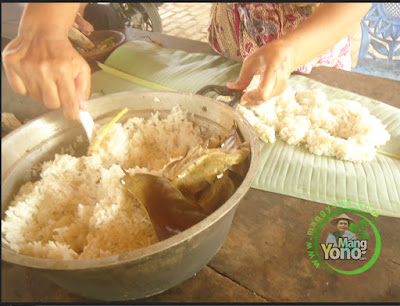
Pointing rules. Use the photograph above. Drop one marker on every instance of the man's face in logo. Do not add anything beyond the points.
(342, 226)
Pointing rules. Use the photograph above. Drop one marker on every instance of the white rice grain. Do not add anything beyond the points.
(79, 209)
(340, 128)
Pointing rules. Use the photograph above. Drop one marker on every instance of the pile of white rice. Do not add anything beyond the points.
(79, 209)
(340, 128)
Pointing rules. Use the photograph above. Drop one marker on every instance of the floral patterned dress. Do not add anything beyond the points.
(238, 29)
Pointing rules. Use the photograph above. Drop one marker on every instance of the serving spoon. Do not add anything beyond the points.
(87, 122)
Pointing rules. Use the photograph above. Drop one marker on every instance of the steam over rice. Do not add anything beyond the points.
(79, 209)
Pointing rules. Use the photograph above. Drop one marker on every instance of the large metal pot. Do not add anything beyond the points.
(143, 272)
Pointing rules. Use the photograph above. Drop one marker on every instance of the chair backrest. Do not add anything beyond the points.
(381, 31)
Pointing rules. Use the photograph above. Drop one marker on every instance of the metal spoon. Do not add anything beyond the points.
(87, 122)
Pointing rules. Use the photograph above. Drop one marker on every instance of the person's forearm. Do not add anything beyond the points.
(330, 23)
(54, 18)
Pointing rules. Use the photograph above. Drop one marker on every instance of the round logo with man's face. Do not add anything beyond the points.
(346, 241)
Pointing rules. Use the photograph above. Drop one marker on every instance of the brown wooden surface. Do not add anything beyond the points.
(264, 258)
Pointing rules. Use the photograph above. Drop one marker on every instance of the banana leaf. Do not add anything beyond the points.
(174, 69)
(284, 169)
(293, 170)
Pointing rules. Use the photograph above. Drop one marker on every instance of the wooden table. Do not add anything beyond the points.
(264, 258)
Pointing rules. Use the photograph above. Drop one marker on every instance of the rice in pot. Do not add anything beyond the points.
(79, 209)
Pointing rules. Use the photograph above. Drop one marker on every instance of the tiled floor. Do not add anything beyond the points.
(187, 20)
(190, 20)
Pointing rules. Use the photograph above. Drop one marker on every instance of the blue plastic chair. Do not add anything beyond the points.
(381, 32)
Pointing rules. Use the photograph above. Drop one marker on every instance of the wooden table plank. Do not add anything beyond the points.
(265, 251)
(384, 90)
(207, 286)
(22, 285)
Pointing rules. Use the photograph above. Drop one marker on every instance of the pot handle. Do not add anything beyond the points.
(223, 91)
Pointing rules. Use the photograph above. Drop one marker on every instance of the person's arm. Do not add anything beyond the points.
(42, 63)
(275, 61)
(82, 24)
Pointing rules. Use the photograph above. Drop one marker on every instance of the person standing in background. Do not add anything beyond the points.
(42, 63)
(275, 39)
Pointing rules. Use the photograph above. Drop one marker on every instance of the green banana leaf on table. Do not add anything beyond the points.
(284, 169)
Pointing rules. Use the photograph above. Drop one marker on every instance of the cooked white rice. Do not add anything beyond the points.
(340, 128)
(79, 209)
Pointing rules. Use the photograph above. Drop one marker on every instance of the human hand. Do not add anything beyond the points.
(84, 26)
(274, 62)
(44, 65)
